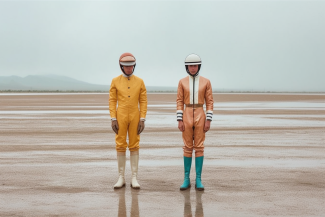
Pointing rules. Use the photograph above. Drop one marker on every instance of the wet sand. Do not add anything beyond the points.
(264, 155)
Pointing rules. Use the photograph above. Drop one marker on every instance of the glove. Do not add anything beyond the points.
(140, 127)
(115, 126)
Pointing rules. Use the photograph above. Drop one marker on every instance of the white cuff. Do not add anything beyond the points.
(209, 115)
(179, 114)
(113, 119)
(142, 119)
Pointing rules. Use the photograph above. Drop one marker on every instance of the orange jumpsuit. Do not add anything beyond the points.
(128, 93)
(195, 91)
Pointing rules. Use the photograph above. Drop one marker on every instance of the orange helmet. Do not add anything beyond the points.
(127, 59)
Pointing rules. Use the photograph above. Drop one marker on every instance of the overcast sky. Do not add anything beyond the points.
(248, 45)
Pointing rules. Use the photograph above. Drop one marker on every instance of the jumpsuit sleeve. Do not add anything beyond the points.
(180, 102)
(143, 101)
(209, 102)
(112, 101)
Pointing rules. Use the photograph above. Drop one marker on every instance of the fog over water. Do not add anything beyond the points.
(244, 45)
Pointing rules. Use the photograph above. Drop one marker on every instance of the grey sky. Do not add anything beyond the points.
(248, 45)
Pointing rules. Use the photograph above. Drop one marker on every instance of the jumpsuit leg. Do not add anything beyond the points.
(188, 147)
(134, 138)
(120, 138)
(188, 132)
(199, 135)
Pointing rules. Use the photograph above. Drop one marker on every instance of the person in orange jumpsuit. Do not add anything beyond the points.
(193, 91)
(128, 109)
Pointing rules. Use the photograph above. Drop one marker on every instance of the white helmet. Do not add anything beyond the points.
(192, 59)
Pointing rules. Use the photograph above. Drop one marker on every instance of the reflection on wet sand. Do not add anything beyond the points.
(121, 202)
(187, 204)
(122, 206)
(134, 204)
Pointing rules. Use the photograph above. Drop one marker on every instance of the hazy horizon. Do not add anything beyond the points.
(244, 45)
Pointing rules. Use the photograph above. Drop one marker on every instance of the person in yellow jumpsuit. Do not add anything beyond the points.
(193, 91)
(128, 109)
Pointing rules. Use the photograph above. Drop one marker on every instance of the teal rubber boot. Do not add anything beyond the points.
(187, 169)
(198, 167)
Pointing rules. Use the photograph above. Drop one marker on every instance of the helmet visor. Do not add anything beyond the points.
(192, 63)
(131, 63)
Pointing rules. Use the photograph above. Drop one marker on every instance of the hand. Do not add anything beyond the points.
(206, 126)
(181, 126)
(115, 126)
(140, 127)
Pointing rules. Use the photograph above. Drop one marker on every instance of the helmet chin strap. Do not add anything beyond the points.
(188, 72)
(122, 68)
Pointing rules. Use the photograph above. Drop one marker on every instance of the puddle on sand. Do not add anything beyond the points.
(57, 112)
(163, 119)
(276, 163)
(158, 120)
(217, 106)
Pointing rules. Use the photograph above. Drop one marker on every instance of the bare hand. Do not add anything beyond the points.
(115, 126)
(206, 126)
(181, 126)
(140, 127)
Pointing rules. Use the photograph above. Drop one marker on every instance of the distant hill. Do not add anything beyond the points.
(59, 83)
(47, 83)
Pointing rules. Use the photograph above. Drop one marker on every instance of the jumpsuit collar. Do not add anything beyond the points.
(124, 75)
(195, 77)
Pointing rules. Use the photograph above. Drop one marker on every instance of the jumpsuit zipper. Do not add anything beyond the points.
(193, 103)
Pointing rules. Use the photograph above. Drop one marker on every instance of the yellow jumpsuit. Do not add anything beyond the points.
(127, 93)
(195, 91)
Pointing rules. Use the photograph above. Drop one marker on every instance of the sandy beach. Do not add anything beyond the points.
(264, 156)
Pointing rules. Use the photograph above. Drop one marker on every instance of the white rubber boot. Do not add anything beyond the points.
(134, 161)
(121, 169)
